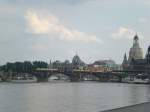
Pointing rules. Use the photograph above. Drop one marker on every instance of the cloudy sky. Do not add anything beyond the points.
(57, 29)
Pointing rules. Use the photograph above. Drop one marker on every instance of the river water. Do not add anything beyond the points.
(70, 97)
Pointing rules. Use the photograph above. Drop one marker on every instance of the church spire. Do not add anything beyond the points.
(125, 61)
(125, 56)
(50, 64)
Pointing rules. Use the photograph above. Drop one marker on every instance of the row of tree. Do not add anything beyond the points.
(23, 67)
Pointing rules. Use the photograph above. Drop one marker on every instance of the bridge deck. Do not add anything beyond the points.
(143, 107)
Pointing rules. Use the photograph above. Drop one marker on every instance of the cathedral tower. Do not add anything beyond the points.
(135, 51)
(125, 62)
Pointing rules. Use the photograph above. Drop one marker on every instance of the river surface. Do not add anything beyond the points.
(70, 97)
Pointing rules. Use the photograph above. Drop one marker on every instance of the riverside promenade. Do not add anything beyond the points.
(143, 107)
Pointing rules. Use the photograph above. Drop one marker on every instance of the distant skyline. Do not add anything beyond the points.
(57, 29)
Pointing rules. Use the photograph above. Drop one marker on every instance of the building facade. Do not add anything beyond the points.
(77, 63)
(108, 64)
(135, 53)
(136, 62)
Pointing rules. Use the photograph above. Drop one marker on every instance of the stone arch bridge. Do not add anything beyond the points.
(43, 74)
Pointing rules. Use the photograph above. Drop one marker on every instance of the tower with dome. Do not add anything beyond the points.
(136, 52)
(136, 61)
(77, 62)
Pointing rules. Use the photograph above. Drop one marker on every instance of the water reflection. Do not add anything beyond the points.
(70, 97)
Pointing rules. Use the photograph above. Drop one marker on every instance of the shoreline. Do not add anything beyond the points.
(142, 107)
(34, 81)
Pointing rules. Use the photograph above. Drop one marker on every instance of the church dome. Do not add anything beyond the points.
(76, 60)
(136, 37)
(135, 51)
(67, 62)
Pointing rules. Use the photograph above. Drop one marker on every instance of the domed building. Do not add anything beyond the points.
(141, 64)
(135, 51)
(136, 61)
(77, 62)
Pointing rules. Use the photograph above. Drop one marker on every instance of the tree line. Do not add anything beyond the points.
(23, 67)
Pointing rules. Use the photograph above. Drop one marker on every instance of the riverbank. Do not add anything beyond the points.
(143, 107)
(49, 81)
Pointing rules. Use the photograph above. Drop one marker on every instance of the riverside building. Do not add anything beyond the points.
(135, 61)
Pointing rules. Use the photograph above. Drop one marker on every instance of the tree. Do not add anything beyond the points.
(39, 64)
(23, 67)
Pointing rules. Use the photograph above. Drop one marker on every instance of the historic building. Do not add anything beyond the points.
(135, 51)
(77, 62)
(136, 61)
(109, 64)
(141, 64)
(64, 66)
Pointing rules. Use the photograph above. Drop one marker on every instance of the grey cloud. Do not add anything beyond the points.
(71, 2)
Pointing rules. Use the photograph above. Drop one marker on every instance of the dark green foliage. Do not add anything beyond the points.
(23, 67)
(28, 67)
(3, 68)
(39, 64)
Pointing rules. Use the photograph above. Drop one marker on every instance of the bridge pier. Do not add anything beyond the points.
(103, 77)
(39, 79)
(75, 77)
(42, 77)
(43, 74)
(120, 79)
(132, 77)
